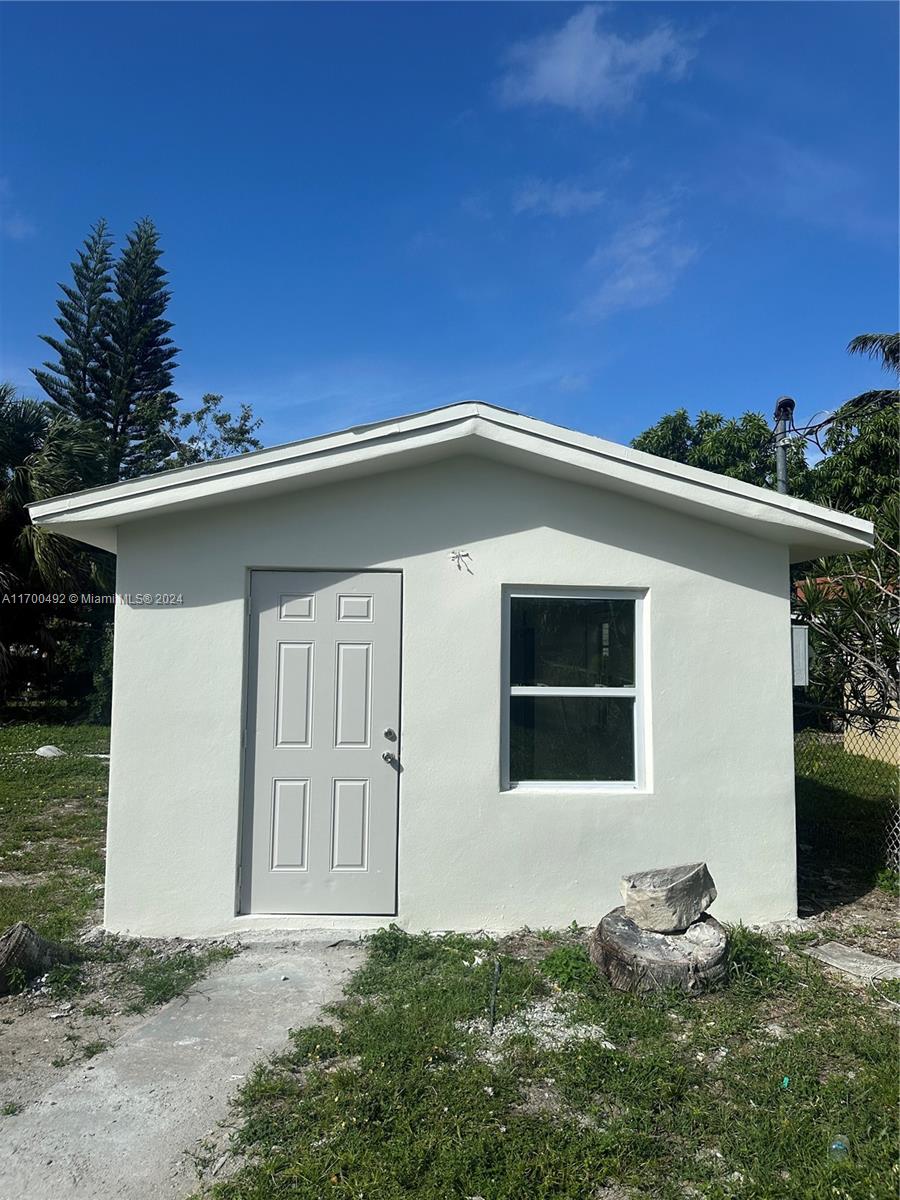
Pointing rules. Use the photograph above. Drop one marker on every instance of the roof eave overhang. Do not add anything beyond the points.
(808, 529)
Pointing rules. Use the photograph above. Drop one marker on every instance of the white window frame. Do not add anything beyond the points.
(638, 693)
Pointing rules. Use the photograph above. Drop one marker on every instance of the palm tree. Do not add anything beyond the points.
(883, 347)
(851, 602)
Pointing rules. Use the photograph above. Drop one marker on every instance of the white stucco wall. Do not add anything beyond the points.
(470, 856)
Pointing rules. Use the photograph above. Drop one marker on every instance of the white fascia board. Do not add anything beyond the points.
(652, 466)
(809, 529)
(193, 485)
(258, 466)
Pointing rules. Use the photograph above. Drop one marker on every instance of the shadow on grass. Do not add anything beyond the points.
(844, 805)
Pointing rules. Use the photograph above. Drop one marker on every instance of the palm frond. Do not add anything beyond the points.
(883, 347)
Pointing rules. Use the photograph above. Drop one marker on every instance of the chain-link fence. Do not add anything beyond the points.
(848, 804)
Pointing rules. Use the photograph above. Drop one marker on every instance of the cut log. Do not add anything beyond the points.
(637, 960)
(24, 954)
(668, 899)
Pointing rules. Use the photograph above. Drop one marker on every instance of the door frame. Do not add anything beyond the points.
(245, 791)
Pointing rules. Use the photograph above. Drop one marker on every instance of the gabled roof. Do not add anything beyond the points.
(809, 530)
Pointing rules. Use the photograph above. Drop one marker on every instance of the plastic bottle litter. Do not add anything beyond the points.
(839, 1148)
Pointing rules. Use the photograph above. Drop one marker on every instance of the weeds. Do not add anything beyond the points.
(570, 967)
(64, 979)
(158, 979)
(753, 961)
(16, 979)
(407, 1096)
(888, 879)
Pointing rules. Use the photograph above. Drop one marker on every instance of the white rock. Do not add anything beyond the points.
(49, 752)
(669, 899)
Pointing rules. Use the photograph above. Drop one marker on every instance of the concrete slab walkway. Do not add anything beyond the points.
(122, 1125)
(856, 963)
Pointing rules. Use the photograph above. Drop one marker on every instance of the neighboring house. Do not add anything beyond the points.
(461, 669)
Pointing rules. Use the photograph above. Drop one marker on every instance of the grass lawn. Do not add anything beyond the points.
(844, 803)
(581, 1091)
(52, 837)
(52, 826)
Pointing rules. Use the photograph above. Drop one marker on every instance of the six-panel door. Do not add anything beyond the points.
(322, 757)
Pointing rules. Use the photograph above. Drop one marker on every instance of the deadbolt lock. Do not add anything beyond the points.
(390, 734)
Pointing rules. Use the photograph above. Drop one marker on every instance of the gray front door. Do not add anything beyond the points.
(322, 758)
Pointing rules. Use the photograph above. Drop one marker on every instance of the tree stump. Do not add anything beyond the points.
(25, 954)
(636, 960)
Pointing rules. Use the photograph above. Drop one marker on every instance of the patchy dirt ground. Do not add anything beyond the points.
(865, 918)
(870, 922)
(75, 1014)
(150, 1116)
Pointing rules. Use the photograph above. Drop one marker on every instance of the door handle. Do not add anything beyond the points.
(388, 757)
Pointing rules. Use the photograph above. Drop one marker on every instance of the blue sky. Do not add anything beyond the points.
(590, 214)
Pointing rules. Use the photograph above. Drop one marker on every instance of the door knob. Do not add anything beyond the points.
(388, 757)
(390, 734)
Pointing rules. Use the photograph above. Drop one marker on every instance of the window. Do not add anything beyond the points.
(574, 689)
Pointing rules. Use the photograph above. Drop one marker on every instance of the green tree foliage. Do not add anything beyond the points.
(43, 452)
(211, 432)
(851, 602)
(138, 359)
(72, 381)
(110, 413)
(115, 365)
(740, 447)
(885, 349)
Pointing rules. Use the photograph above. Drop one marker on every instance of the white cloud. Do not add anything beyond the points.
(13, 224)
(806, 184)
(17, 227)
(584, 67)
(559, 199)
(573, 383)
(640, 264)
(476, 206)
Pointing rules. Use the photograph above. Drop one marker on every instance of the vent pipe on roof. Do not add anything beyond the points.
(784, 412)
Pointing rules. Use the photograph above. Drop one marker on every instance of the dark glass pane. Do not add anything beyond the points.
(571, 643)
(571, 737)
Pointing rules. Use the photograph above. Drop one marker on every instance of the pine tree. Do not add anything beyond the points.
(116, 361)
(138, 360)
(71, 382)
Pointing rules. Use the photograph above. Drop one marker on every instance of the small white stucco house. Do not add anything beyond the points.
(463, 669)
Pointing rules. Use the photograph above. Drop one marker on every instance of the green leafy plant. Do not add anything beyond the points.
(888, 879)
(753, 961)
(63, 979)
(16, 979)
(570, 967)
(158, 980)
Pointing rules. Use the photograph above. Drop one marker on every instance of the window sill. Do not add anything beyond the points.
(575, 789)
